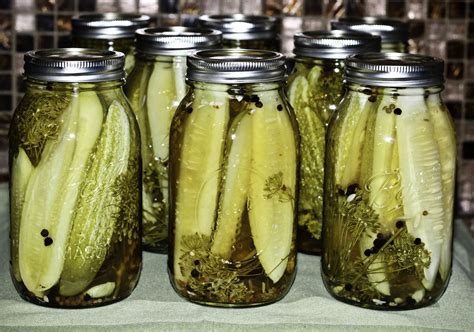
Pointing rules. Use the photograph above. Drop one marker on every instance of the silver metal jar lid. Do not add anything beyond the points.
(241, 27)
(390, 30)
(108, 25)
(399, 70)
(74, 65)
(236, 66)
(334, 44)
(175, 40)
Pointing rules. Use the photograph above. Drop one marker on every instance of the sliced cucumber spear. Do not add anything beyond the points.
(179, 70)
(422, 185)
(382, 194)
(21, 172)
(199, 170)
(98, 206)
(444, 135)
(52, 192)
(233, 198)
(272, 183)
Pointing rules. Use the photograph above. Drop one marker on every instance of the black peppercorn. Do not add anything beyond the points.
(367, 252)
(397, 111)
(44, 233)
(195, 273)
(279, 107)
(400, 224)
(259, 104)
(348, 287)
(417, 241)
(372, 99)
(48, 241)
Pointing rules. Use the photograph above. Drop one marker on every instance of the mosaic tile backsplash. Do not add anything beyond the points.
(441, 28)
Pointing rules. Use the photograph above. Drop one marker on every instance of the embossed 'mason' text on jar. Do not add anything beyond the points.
(233, 181)
(389, 184)
(155, 88)
(75, 181)
(314, 89)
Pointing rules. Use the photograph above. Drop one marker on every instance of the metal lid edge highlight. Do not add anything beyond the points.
(108, 25)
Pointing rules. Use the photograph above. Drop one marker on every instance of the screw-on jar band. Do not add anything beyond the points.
(394, 70)
(74, 65)
(175, 40)
(108, 25)
(334, 44)
(236, 66)
(241, 27)
(390, 30)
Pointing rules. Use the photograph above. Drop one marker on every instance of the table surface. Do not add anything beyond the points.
(154, 304)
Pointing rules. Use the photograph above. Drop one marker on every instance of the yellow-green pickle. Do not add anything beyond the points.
(314, 90)
(109, 31)
(244, 31)
(155, 88)
(75, 181)
(394, 33)
(233, 181)
(389, 184)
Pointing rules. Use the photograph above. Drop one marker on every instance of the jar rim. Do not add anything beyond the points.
(240, 26)
(108, 25)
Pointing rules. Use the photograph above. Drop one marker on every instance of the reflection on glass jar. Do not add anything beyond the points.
(109, 31)
(244, 31)
(394, 33)
(75, 181)
(233, 179)
(155, 88)
(389, 185)
(314, 90)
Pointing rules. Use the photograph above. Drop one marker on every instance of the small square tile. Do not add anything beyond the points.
(416, 9)
(230, 6)
(5, 82)
(251, 7)
(455, 70)
(313, 7)
(469, 109)
(63, 23)
(24, 5)
(127, 6)
(465, 188)
(455, 108)
(24, 42)
(148, 6)
(470, 31)
(168, 20)
(456, 30)
(436, 29)
(470, 69)
(170, 7)
(469, 90)
(293, 7)
(471, 9)
(105, 6)
(44, 22)
(87, 5)
(416, 28)
(457, 9)
(25, 22)
(188, 20)
(270, 7)
(19, 63)
(45, 41)
(45, 5)
(189, 7)
(455, 49)
(5, 22)
(5, 4)
(5, 42)
(5, 62)
(468, 150)
(436, 48)
(67, 5)
(396, 8)
(209, 7)
(351, 8)
(453, 90)
(64, 41)
(5, 102)
(436, 9)
(313, 23)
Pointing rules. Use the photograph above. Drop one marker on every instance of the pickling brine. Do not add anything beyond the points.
(233, 178)
(74, 188)
(389, 186)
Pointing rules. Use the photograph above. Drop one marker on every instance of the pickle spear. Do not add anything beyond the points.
(273, 177)
(52, 192)
(233, 198)
(422, 185)
(200, 167)
(21, 172)
(98, 206)
(444, 135)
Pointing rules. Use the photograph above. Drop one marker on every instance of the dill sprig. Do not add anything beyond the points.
(274, 187)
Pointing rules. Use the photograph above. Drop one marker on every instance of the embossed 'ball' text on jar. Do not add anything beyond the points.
(314, 89)
(109, 31)
(244, 31)
(155, 88)
(75, 181)
(394, 33)
(389, 184)
(233, 181)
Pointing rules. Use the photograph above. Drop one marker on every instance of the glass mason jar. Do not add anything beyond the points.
(389, 184)
(75, 181)
(394, 33)
(155, 88)
(109, 31)
(244, 31)
(314, 89)
(233, 180)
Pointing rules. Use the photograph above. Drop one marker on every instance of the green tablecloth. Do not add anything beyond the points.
(154, 304)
